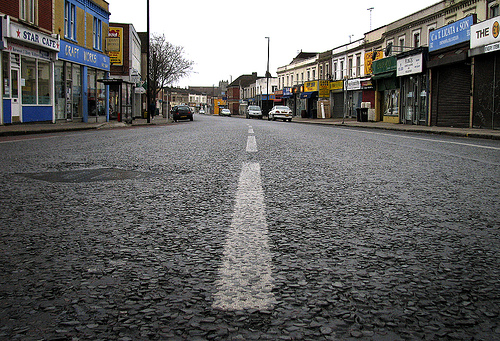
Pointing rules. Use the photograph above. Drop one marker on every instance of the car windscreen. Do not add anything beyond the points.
(255, 108)
(281, 107)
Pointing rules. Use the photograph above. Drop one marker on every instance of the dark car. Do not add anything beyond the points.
(182, 112)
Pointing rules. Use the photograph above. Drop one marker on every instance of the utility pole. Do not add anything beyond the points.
(148, 96)
(267, 72)
(371, 9)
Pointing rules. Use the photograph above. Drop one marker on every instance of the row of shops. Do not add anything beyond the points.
(45, 78)
(454, 82)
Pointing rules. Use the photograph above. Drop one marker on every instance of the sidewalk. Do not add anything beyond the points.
(42, 128)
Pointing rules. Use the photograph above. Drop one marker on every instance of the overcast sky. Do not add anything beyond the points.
(226, 38)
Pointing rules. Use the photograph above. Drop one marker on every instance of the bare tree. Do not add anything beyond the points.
(167, 64)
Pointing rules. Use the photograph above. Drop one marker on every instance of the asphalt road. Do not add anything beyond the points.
(234, 229)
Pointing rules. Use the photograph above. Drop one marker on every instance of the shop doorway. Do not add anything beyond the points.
(15, 102)
(414, 100)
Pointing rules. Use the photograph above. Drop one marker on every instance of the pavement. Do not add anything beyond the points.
(41, 128)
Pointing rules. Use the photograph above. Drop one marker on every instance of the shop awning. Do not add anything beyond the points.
(310, 94)
(383, 75)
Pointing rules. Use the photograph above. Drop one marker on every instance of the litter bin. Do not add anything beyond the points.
(362, 114)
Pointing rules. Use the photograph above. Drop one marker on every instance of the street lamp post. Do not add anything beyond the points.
(148, 95)
(267, 71)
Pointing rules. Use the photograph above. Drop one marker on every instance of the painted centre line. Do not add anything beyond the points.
(245, 277)
(251, 144)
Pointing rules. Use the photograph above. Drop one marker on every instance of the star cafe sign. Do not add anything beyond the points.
(34, 37)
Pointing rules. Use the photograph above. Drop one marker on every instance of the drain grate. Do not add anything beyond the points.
(88, 175)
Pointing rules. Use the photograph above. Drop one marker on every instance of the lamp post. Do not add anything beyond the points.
(148, 95)
(267, 71)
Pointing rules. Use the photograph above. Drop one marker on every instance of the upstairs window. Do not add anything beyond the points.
(28, 10)
(70, 20)
(97, 34)
(494, 11)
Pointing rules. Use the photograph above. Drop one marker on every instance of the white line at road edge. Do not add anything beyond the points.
(245, 277)
(251, 144)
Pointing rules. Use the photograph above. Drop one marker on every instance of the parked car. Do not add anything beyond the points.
(254, 111)
(182, 112)
(280, 111)
(202, 111)
(225, 112)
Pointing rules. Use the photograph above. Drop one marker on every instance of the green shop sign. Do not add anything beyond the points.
(387, 64)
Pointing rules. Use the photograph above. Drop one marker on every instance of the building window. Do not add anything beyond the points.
(401, 43)
(351, 68)
(314, 74)
(358, 65)
(494, 11)
(335, 71)
(28, 10)
(291, 80)
(97, 34)
(308, 75)
(327, 70)
(70, 21)
(341, 69)
(321, 72)
(416, 39)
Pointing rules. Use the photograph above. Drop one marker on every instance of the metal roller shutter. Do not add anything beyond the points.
(451, 85)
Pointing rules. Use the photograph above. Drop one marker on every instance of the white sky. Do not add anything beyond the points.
(226, 38)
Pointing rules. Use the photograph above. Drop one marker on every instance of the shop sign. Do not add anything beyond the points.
(485, 33)
(410, 65)
(492, 48)
(310, 86)
(30, 52)
(369, 61)
(324, 89)
(114, 45)
(287, 92)
(353, 84)
(385, 65)
(81, 55)
(33, 37)
(337, 85)
(452, 34)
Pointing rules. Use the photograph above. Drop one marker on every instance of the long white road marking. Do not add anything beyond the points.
(245, 277)
(251, 144)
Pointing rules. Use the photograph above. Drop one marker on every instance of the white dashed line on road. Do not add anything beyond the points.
(251, 144)
(246, 280)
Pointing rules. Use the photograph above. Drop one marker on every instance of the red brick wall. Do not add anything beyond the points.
(45, 14)
(10, 7)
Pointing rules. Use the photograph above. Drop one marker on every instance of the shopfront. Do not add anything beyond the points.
(310, 96)
(27, 64)
(288, 98)
(358, 90)
(413, 80)
(337, 99)
(387, 90)
(79, 95)
(450, 74)
(485, 51)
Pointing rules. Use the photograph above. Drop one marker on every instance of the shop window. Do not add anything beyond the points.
(27, 11)
(70, 20)
(97, 34)
(44, 83)
(28, 80)
(5, 75)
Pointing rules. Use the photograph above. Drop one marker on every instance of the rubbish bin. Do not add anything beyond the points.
(362, 114)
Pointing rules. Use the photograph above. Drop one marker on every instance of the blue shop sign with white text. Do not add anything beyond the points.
(451, 34)
(81, 55)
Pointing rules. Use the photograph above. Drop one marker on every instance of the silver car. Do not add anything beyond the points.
(254, 111)
(282, 112)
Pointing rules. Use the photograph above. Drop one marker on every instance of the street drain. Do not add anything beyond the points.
(88, 175)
